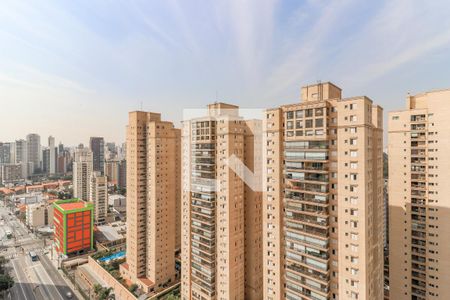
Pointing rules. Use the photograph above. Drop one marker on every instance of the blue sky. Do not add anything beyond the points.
(73, 69)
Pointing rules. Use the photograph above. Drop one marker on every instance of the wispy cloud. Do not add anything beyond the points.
(401, 32)
(252, 24)
(306, 53)
(178, 53)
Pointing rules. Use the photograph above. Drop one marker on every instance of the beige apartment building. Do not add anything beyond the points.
(38, 215)
(152, 201)
(323, 199)
(419, 247)
(98, 194)
(221, 215)
(82, 170)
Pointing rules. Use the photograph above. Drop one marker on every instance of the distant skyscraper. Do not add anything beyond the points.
(221, 215)
(61, 148)
(22, 156)
(112, 171)
(6, 150)
(419, 203)
(98, 194)
(53, 157)
(111, 151)
(122, 179)
(46, 160)
(34, 151)
(82, 170)
(97, 146)
(10, 173)
(323, 200)
(153, 176)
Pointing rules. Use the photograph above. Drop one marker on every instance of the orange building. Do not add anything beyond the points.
(73, 220)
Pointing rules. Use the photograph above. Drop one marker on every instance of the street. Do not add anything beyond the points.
(38, 279)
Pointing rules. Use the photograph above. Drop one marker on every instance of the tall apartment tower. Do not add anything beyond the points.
(419, 207)
(53, 157)
(97, 146)
(323, 199)
(82, 170)
(46, 160)
(98, 194)
(152, 179)
(6, 153)
(21, 156)
(221, 216)
(34, 151)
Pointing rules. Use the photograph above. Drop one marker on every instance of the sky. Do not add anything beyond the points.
(74, 69)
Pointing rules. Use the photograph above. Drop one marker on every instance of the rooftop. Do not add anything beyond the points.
(72, 204)
(110, 233)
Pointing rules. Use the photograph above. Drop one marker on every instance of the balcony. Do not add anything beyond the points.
(418, 267)
(316, 240)
(307, 208)
(299, 177)
(307, 187)
(295, 216)
(308, 198)
(418, 275)
(306, 282)
(418, 127)
(418, 234)
(417, 242)
(418, 259)
(312, 252)
(308, 272)
(418, 193)
(302, 291)
(418, 169)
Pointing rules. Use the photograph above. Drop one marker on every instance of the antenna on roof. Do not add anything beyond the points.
(141, 106)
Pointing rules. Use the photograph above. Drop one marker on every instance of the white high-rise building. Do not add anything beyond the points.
(34, 151)
(52, 159)
(82, 170)
(98, 194)
(21, 156)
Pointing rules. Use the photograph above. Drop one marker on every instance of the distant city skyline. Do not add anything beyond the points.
(74, 70)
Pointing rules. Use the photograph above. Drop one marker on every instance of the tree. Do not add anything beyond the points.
(101, 293)
(133, 287)
(3, 262)
(6, 282)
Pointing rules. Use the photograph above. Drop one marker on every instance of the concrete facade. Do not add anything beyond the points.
(221, 224)
(323, 199)
(419, 250)
(98, 194)
(82, 170)
(152, 197)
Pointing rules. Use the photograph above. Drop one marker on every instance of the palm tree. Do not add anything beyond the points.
(101, 293)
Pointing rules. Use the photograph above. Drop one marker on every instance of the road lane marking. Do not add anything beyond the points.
(17, 273)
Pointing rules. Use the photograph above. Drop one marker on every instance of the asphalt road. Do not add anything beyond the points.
(34, 280)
